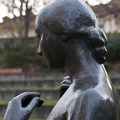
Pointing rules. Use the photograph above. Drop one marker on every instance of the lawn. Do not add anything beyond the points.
(1, 118)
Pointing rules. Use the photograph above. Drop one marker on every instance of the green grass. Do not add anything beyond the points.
(36, 119)
(29, 89)
(4, 101)
(46, 102)
(1, 118)
(117, 87)
(33, 79)
(50, 102)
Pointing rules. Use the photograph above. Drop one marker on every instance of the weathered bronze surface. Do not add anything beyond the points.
(69, 39)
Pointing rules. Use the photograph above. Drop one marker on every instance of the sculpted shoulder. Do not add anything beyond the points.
(91, 106)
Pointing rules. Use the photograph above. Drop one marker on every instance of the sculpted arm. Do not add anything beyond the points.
(21, 106)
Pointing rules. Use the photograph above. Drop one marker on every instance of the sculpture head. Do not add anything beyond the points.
(62, 20)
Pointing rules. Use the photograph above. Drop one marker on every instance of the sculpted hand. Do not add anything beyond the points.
(21, 106)
(64, 85)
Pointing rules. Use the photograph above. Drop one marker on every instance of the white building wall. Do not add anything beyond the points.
(109, 24)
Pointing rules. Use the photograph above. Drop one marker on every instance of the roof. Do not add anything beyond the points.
(10, 71)
(102, 10)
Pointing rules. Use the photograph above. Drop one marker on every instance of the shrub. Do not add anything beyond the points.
(22, 55)
(113, 47)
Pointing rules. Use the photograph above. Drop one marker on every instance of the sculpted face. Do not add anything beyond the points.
(56, 22)
(51, 48)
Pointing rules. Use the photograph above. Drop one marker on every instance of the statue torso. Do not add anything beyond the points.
(85, 105)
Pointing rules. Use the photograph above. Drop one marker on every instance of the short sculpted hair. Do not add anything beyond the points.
(74, 17)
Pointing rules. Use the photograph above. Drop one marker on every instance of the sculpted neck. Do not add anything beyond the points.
(81, 63)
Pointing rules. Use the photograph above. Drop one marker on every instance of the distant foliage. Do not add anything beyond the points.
(113, 47)
(24, 55)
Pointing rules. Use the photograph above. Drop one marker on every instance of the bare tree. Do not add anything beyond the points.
(22, 12)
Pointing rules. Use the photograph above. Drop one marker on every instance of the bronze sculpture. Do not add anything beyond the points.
(71, 40)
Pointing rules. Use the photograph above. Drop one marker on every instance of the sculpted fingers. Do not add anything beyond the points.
(28, 97)
(24, 94)
(35, 102)
(24, 98)
(64, 85)
(66, 82)
(21, 106)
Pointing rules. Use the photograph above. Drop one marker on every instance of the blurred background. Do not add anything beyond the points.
(22, 69)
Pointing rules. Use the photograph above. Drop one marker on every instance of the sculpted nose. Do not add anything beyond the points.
(39, 51)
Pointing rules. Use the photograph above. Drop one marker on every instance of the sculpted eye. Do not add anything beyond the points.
(65, 37)
(38, 33)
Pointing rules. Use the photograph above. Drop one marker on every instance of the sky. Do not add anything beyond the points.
(3, 9)
(96, 2)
